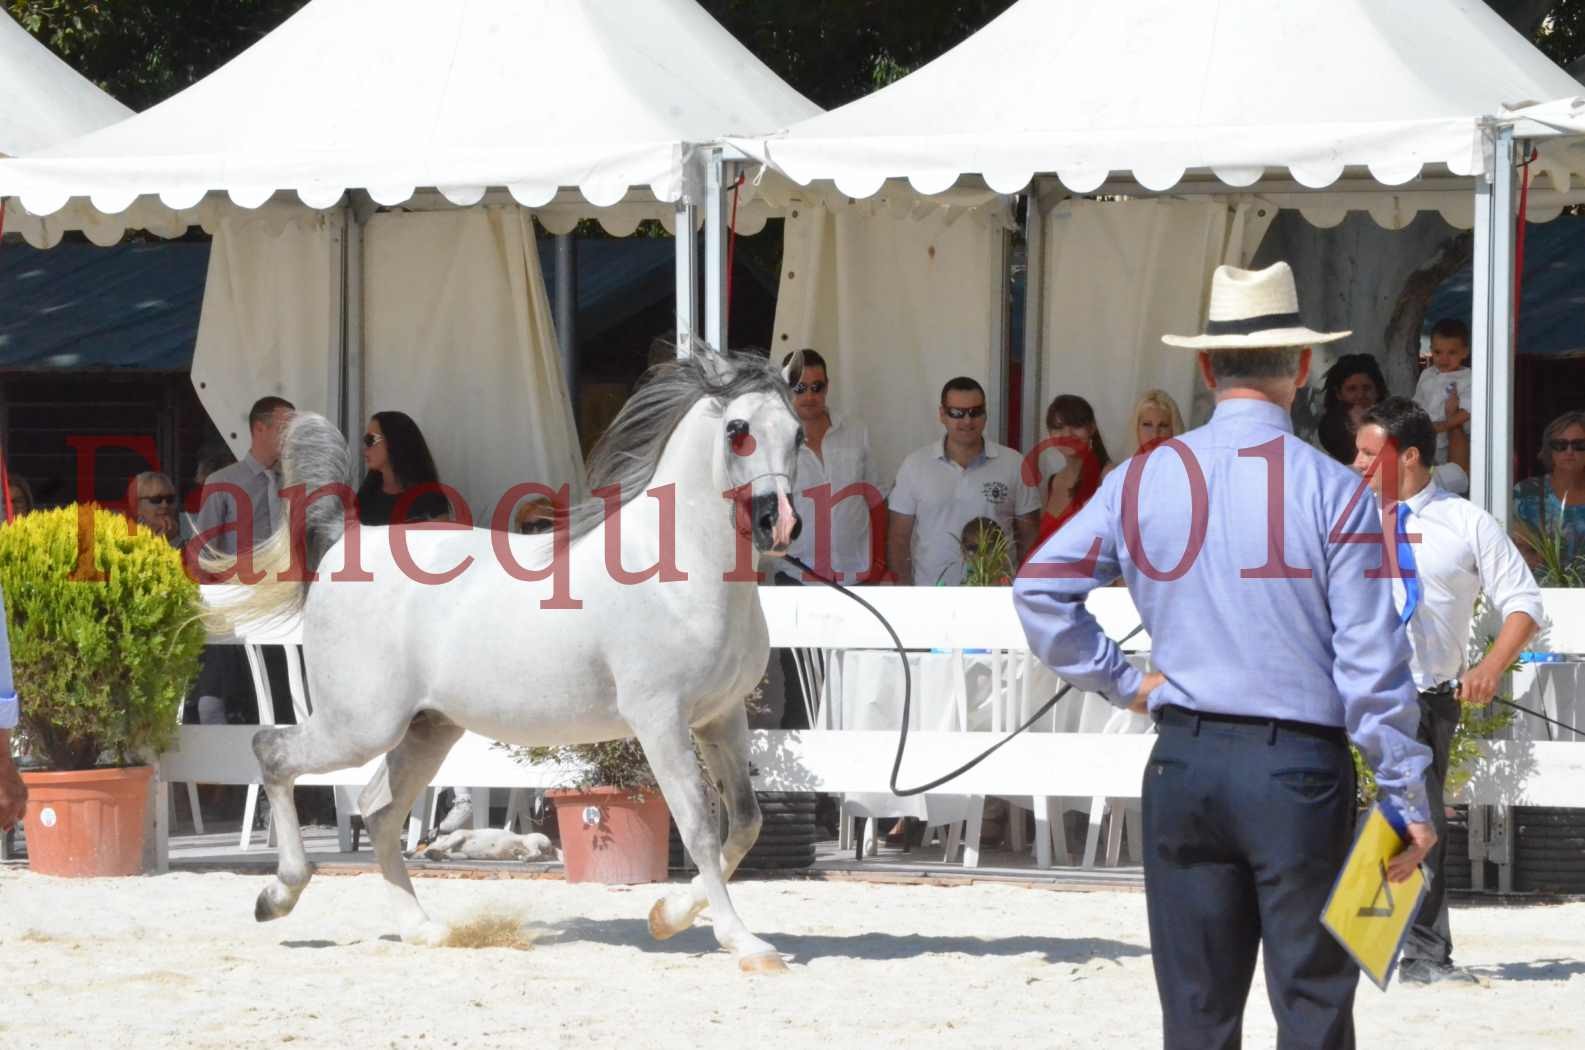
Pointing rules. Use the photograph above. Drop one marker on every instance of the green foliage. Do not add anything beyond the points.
(988, 562)
(1553, 567)
(611, 763)
(1475, 723)
(101, 666)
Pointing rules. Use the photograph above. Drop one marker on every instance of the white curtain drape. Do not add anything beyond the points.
(897, 306)
(1120, 274)
(458, 334)
(267, 323)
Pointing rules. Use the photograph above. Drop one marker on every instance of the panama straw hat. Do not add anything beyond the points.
(1251, 310)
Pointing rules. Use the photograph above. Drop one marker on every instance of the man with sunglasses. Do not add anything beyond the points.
(835, 456)
(1458, 552)
(153, 499)
(946, 484)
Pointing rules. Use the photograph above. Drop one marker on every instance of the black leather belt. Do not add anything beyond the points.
(1445, 689)
(1183, 717)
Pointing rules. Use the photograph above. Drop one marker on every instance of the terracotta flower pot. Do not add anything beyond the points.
(87, 822)
(612, 835)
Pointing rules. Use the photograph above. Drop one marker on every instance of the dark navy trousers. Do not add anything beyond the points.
(1247, 824)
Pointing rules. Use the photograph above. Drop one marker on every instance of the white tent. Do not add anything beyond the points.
(1250, 105)
(43, 100)
(563, 108)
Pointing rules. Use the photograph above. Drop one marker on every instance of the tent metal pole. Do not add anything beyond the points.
(718, 173)
(686, 222)
(335, 408)
(567, 310)
(1034, 304)
(1491, 416)
(352, 330)
(1001, 363)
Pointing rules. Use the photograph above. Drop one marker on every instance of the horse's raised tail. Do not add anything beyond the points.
(314, 460)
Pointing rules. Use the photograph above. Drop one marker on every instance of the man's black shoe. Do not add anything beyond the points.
(1422, 971)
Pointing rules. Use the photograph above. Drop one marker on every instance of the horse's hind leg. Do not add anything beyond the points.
(670, 753)
(385, 804)
(286, 753)
(723, 745)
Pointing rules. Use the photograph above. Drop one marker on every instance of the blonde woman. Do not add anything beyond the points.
(1156, 418)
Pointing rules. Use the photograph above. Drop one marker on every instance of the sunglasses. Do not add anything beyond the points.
(1561, 445)
(817, 387)
(370, 440)
(964, 413)
(160, 501)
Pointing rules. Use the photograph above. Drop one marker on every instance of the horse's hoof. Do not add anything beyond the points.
(762, 962)
(659, 928)
(267, 907)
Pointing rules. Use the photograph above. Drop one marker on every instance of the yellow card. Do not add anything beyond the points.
(1368, 915)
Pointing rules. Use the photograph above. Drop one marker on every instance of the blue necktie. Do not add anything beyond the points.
(1406, 567)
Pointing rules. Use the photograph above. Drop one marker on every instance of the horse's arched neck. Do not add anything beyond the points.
(692, 462)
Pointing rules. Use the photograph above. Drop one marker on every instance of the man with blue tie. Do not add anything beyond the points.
(1458, 552)
(1256, 566)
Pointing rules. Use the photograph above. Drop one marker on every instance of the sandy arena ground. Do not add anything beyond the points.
(177, 961)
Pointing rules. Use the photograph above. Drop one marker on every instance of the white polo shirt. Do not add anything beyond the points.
(1461, 553)
(943, 497)
(844, 460)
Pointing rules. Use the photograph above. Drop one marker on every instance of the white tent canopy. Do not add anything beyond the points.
(44, 101)
(1242, 89)
(391, 96)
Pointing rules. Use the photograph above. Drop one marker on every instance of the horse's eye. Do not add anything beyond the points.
(741, 440)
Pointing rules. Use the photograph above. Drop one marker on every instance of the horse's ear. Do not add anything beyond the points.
(714, 364)
(793, 368)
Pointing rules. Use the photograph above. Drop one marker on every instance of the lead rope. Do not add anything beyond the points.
(902, 735)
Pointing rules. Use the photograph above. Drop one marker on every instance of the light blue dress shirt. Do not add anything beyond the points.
(8, 695)
(1327, 649)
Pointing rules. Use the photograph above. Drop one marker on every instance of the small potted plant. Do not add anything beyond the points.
(611, 816)
(105, 639)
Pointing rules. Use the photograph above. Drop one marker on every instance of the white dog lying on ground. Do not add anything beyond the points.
(488, 844)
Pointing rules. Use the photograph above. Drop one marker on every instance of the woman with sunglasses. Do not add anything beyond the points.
(398, 460)
(1554, 503)
(1069, 419)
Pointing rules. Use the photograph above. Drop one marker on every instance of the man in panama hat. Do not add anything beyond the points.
(1251, 566)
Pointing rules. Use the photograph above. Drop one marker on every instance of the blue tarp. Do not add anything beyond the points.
(1552, 306)
(78, 306)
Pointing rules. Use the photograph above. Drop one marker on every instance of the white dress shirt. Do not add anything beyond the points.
(943, 497)
(1462, 552)
(844, 460)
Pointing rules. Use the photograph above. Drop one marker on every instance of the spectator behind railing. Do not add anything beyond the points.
(21, 497)
(1353, 384)
(950, 481)
(1156, 418)
(1069, 418)
(402, 485)
(151, 498)
(1549, 510)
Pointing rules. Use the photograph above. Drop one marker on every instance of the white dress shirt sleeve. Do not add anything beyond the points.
(1504, 577)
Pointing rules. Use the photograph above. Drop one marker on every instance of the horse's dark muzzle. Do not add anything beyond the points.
(762, 511)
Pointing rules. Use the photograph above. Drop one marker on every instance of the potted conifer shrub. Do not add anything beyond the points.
(105, 640)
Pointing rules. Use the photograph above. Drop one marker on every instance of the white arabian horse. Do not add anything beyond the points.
(401, 669)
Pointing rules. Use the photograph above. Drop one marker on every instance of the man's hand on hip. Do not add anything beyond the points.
(1421, 838)
(1147, 685)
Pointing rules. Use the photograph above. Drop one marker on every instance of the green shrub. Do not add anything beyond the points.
(103, 654)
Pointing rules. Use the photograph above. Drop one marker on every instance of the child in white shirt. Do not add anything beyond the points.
(1448, 377)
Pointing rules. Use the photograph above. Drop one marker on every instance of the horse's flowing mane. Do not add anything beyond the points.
(629, 451)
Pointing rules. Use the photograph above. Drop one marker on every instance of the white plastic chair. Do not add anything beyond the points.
(346, 801)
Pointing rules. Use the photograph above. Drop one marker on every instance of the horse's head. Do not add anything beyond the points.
(760, 436)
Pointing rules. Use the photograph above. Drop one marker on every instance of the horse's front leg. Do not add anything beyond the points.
(663, 732)
(723, 745)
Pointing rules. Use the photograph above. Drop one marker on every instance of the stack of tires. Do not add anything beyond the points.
(1549, 849)
(1455, 862)
(787, 836)
(786, 839)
